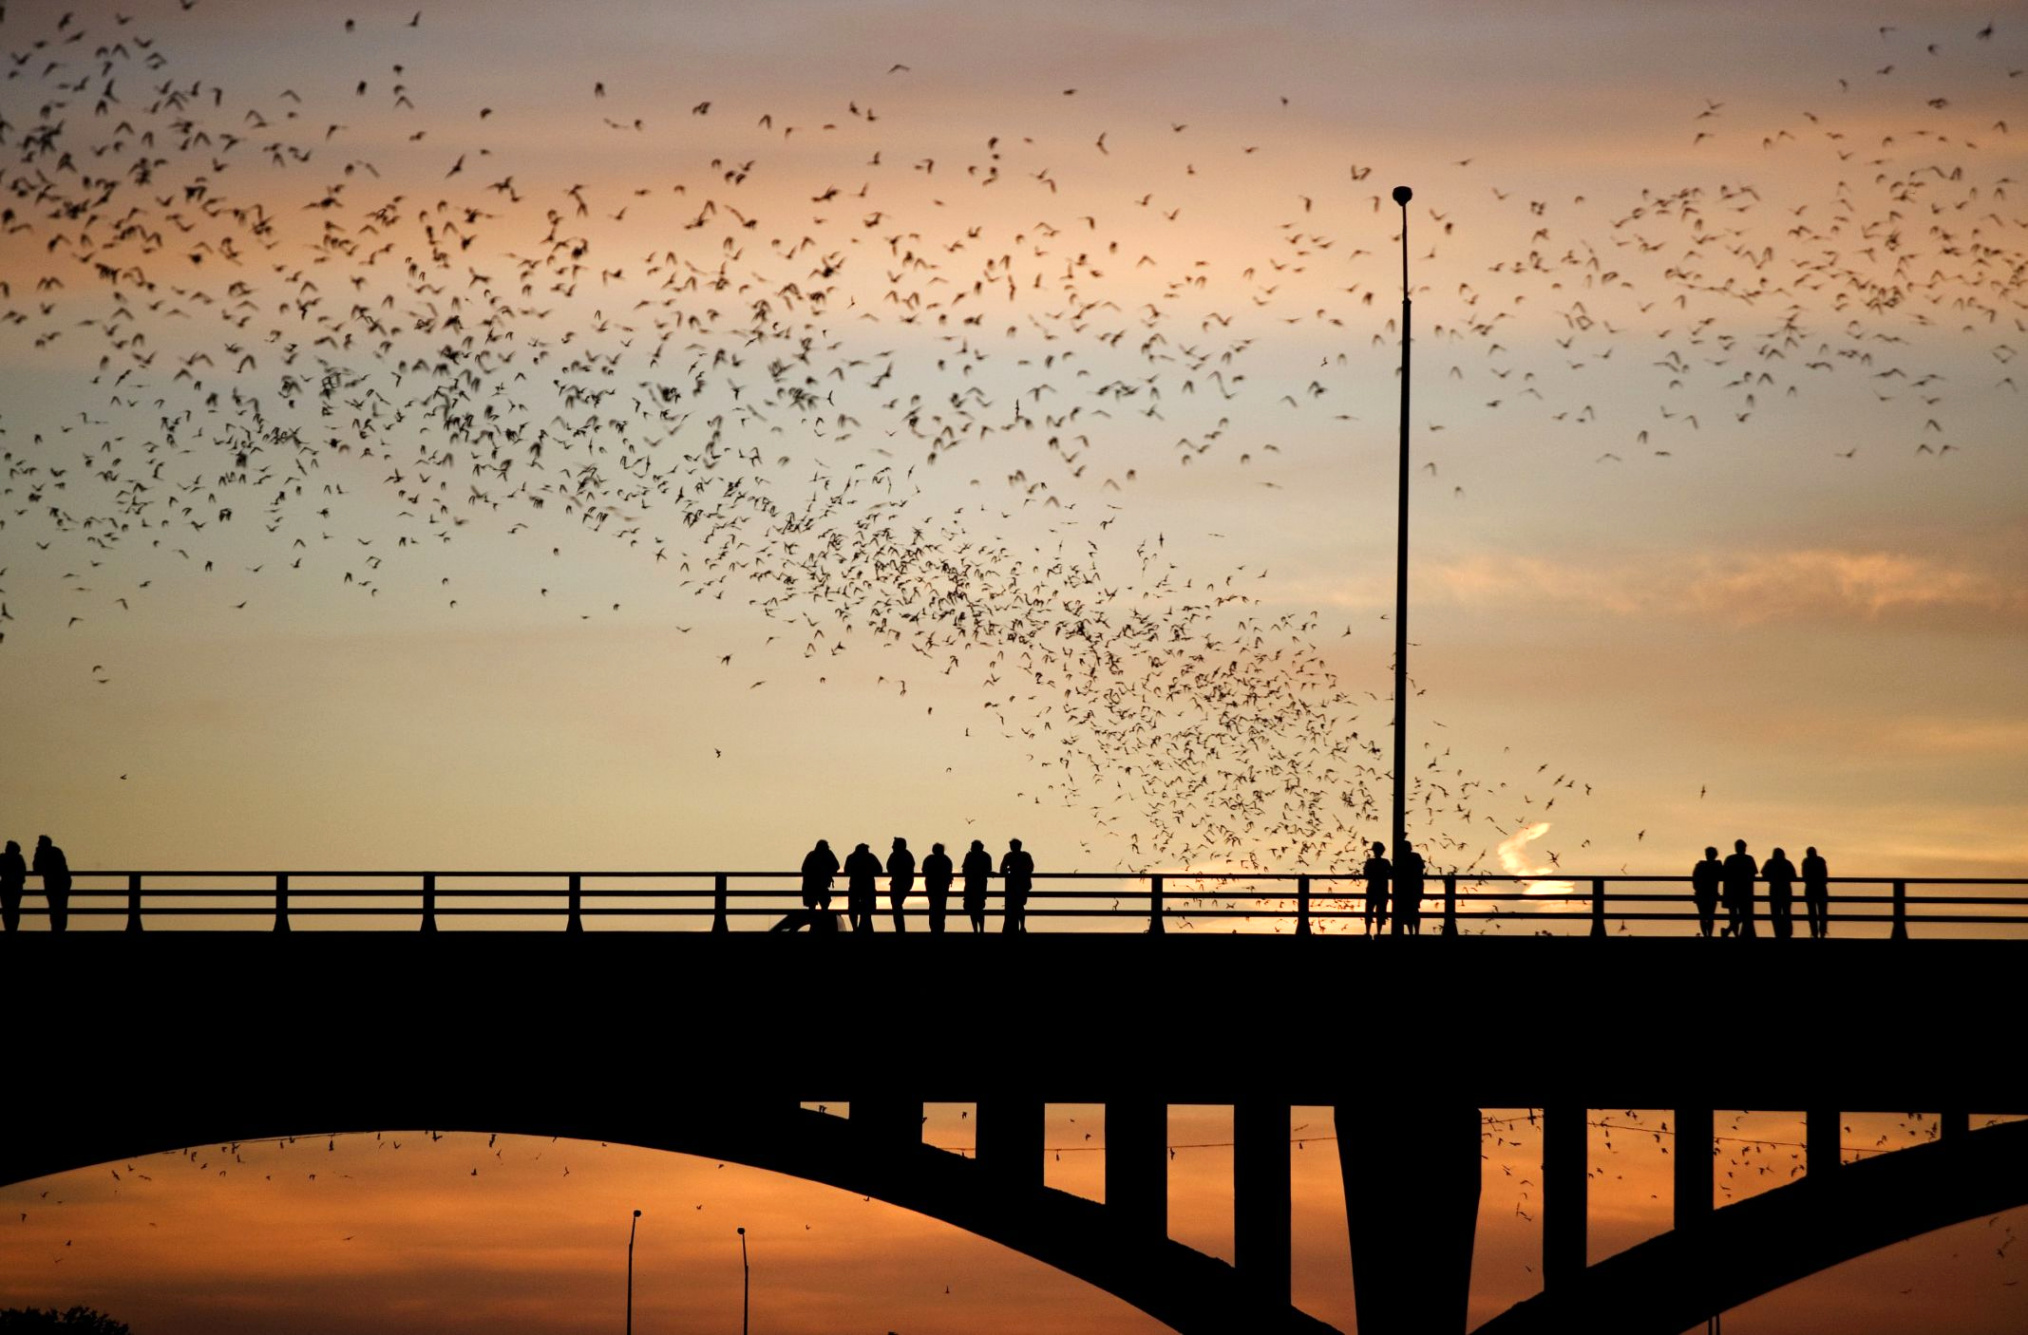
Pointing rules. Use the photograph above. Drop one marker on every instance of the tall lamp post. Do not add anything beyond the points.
(630, 1270)
(1402, 194)
(745, 1284)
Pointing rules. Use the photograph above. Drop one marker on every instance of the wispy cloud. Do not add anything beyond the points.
(1808, 584)
(1515, 861)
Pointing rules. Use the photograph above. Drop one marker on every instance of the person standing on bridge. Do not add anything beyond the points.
(1408, 875)
(936, 884)
(1018, 870)
(13, 877)
(861, 870)
(1704, 881)
(900, 880)
(54, 869)
(1739, 872)
(978, 870)
(1816, 893)
(1780, 875)
(820, 864)
(1378, 871)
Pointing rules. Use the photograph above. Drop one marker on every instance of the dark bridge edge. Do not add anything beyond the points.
(1175, 1284)
(1742, 1252)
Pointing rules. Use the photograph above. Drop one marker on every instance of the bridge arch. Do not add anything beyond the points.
(1676, 1280)
(1177, 1285)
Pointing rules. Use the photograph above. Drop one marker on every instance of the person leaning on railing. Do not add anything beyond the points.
(978, 869)
(1817, 892)
(54, 869)
(1704, 880)
(13, 878)
(1017, 869)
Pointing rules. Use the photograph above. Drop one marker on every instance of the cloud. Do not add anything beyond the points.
(1821, 583)
(1803, 585)
(1514, 860)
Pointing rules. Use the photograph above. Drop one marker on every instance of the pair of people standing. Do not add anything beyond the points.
(1405, 878)
(51, 866)
(862, 869)
(1734, 878)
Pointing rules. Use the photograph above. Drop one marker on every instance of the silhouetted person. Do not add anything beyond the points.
(861, 870)
(978, 869)
(1738, 873)
(1816, 892)
(1780, 875)
(1017, 869)
(936, 884)
(13, 877)
(1704, 881)
(54, 870)
(900, 880)
(1379, 871)
(1408, 873)
(820, 864)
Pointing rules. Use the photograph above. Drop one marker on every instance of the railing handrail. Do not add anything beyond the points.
(1158, 898)
(1555, 877)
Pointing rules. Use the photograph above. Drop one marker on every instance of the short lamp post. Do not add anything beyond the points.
(630, 1270)
(745, 1284)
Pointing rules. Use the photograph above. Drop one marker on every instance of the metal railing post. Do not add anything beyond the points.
(1900, 932)
(429, 916)
(1450, 903)
(1302, 906)
(576, 923)
(718, 923)
(133, 901)
(1598, 906)
(1155, 905)
(281, 901)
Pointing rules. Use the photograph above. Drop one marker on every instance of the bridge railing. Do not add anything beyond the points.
(1315, 903)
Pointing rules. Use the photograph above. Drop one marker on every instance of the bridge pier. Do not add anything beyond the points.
(1010, 1139)
(1820, 1143)
(1137, 1166)
(1694, 1167)
(1412, 1207)
(1260, 1196)
(1566, 1196)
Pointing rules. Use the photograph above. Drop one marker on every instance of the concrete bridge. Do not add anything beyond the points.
(707, 1043)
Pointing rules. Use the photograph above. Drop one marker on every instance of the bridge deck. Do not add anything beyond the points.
(1618, 1022)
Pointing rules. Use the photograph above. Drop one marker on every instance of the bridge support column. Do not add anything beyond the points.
(1010, 1139)
(1566, 1198)
(1820, 1143)
(1260, 1197)
(1951, 1125)
(1412, 1206)
(887, 1127)
(1693, 1166)
(1137, 1166)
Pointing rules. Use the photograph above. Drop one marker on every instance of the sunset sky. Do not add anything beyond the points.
(642, 436)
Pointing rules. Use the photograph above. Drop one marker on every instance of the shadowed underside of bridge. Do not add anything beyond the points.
(707, 1045)
(1175, 1284)
(1673, 1282)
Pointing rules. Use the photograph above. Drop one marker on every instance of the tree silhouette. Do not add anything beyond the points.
(77, 1321)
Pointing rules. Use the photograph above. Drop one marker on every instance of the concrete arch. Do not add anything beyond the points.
(1177, 1285)
(1672, 1282)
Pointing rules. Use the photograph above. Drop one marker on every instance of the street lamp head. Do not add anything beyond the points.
(637, 1214)
(742, 1232)
(1402, 194)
